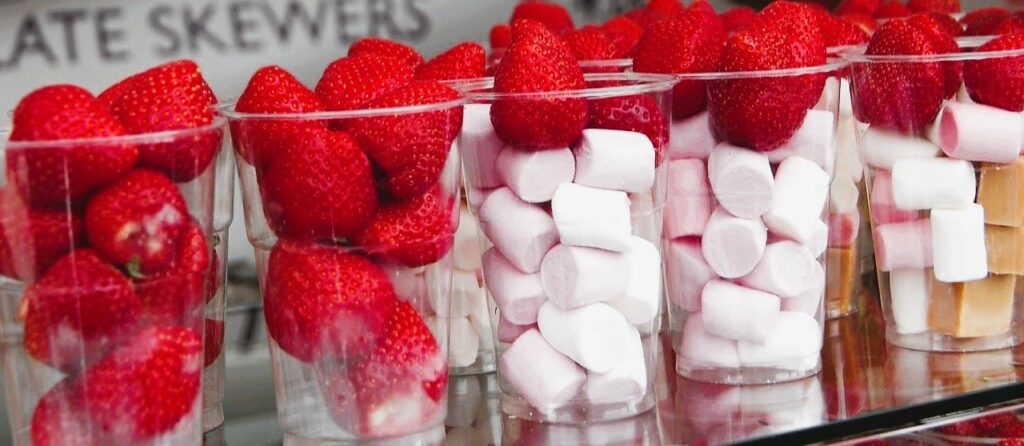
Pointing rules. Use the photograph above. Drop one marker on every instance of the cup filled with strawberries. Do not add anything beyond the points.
(106, 252)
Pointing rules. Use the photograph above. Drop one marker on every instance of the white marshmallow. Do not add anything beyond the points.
(882, 148)
(517, 295)
(843, 229)
(509, 332)
(691, 138)
(701, 348)
(909, 290)
(932, 183)
(843, 195)
(732, 246)
(687, 273)
(595, 336)
(883, 207)
(819, 239)
(903, 245)
(615, 159)
(466, 255)
(463, 343)
(534, 175)
(813, 140)
(466, 293)
(545, 377)
(801, 191)
(627, 381)
(847, 156)
(742, 180)
(479, 146)
(737, 312)
(958, 244)
(573, 276)
(645, 212)
(690, 201)
(787, 269)
(795, 340)
(640, 302)
(809, 302)
(522, 232)
(587, 216)
(482, 320)
(977, 132)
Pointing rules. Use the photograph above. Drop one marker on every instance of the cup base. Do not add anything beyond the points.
(213, 417)
(484, 364)
(576, 412)
(430, 437)
(747, 375)
(938, 342)
(836, 313)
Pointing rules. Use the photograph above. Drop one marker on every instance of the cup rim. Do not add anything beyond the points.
(856, 54)
(624, 62)
(133, 139)
(479, 89)
(228, 110)
(832, 64)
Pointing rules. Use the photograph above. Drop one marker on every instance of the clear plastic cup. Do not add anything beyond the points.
(746, 235)
(944, 194)
(213, 356)
(470, 343)
(106, 268)
(356, 287)
(572, 256)
(606, 66)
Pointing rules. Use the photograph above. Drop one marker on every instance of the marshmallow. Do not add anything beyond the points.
(646, 223)
(809, 302)
(980, 133)
(786, 269)
(819, 239)
(479, 146)
(882, 148)
(615, 159)
(522, 232)
(801, 191)
(847, 156)
(932, 183)
(534, 175)
(700, 348)
(689, 202)
(627, 381)
(843, 229)
(595, 336)
(742, 180)
(509, 332)
(904, 245)
(483, 319)
(813, 141)
(795, 336)
(843, 195)
(687, 273)
(476, 197)
(691, 138)
(595, 218)
(909, 292)
(466, 295)
(880, 201)
(737, 312)
(463, 343)
(466, 255)
(732, 246)
(642, 298)
(517, 295)
(958, 244)
(545, 377)
(573, 276)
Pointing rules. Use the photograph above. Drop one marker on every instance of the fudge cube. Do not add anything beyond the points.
(1004, 246)
(971, 309)
(1001, 193)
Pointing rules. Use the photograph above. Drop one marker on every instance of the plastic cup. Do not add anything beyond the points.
(606, 66)
(470, 344)
(213, 356)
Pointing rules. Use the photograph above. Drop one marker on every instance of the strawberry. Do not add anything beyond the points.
(272, 90)
(944, 44)
(146, 386)
(590, 43)
(176, 294)
(858, 7)
(948, 24)
(319, 188)
(624, 33)
(1011, 430)
(136, 221)
(839, 32)
(500, 36)
(213, 341)
(32, 239)
(762, 113)
(350, 82)
(900, 96)
(321, 301)
(864, 21)
(656, 11)
(173, 96)
(891, 10)
(384, 47)
(998, 82)
(398, 388)
(78, 309)
(538, 61)
(411, 149)
(416, 232)
(59, 420)
(981, 21)
(466, 60)
(54, 174)
(1010, 442)
(1012, 25)
(551, 15)
(960, 428)
(940, 6)
(990, 424)
(736, 18)
(636, 113)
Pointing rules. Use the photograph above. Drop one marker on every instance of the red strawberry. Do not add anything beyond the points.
(656, 11)
(54, 174)
(1010, 442)
(940, 6)
(944, 44)
(624, 33)
(636, 113)
(989, 424)
(960, 428)
(858, 7)
(320, 188)
(1012, 25)
(416, 232)
(173, 96)
(998, 82)
(538, 61)
(900, 96)
(272, 90)
(839, 32)
(175, 295)
(398, 388)
(948, 24)
(32, 239)
(500, 36)
(891, 10)
(864, 21)
(213, 341)
(136, 222)
(736, 18)
(59, 419)
(321, 301)
(590, 43)
(78, 309)
(981, 21)
(551, 15)
(146, 386)
(410, 148)
(384, 47)
(350, 82)
(1012, 430)
(466, 60)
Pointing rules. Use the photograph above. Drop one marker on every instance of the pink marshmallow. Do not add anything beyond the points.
(786, 269)
(518, 295)
(522, 232)
(732, 246)
(691, 138)
(883, 207)
(574, 276)
(687, 272)
(702, 349)
(977, 132)
(904, 245)
(843, 228)
(479, 146)
(546, 378)
(737, 312)
(476, 197)
(813, 141)
(690, 201)
(615, 159)
(534, 175)
(809, 302)
(509, 332)
(741, 179)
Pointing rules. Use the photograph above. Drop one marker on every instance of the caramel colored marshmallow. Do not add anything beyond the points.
(1001, 193)
(1005, 248)
(971, 309)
